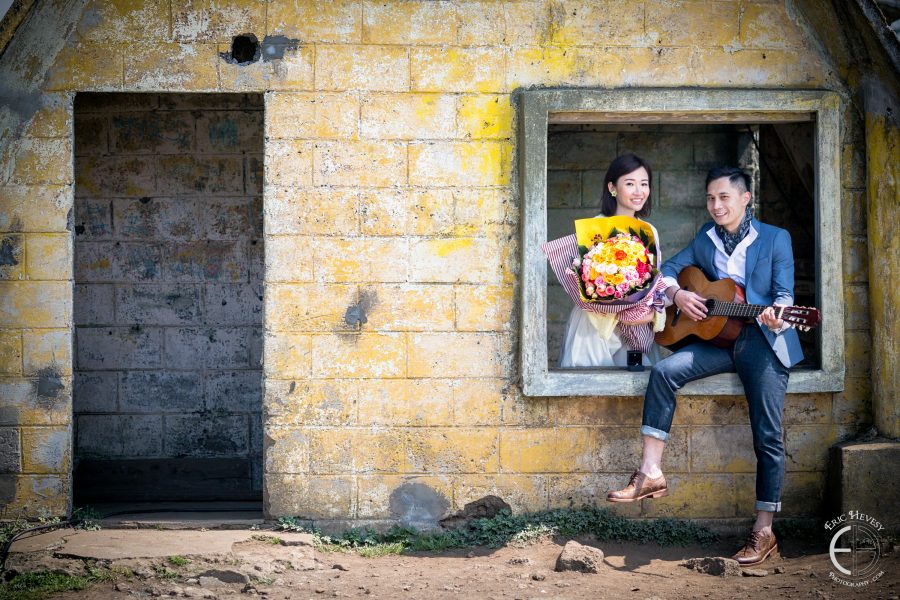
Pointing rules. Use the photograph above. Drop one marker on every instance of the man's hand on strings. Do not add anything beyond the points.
(691, 304)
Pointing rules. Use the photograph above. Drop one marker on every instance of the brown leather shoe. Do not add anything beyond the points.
(640, 486)
(758, 547)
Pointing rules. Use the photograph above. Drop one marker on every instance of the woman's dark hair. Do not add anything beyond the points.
(623, 165)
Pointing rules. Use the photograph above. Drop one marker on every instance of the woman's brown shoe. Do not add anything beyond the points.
(640, 486)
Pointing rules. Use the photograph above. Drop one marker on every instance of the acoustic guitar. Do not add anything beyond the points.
(728, 311)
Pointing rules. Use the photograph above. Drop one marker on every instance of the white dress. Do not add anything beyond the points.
(592, 341)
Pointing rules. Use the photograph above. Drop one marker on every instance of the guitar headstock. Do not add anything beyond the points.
(802, 317)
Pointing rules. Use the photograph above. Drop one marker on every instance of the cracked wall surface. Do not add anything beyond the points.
(389, 183)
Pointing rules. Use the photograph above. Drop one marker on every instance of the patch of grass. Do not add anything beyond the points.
(8, 529)
(530, 534)
(98, 574)
(86, 518)
(163, 572)
(269, 539)
(178, 560)
(289, 524)
(377, 550)
(39, 585)
(520, 530)
(122, 570)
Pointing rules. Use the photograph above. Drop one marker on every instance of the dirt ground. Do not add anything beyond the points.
(630, 570)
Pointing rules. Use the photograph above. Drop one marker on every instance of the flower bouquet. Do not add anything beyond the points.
(610, 266)
(614, 268)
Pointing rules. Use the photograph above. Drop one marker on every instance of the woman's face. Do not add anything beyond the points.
(632, 191)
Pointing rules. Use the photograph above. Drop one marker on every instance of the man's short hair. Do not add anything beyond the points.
(736, 176)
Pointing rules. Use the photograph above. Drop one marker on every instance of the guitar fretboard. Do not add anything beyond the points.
(733, 309)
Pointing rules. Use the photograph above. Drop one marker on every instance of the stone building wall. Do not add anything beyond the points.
(390, 190)
(168, 294)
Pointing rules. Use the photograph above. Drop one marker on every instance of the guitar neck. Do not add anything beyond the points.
(734, 309)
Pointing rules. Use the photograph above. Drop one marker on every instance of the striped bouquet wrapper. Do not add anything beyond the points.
(630, 309)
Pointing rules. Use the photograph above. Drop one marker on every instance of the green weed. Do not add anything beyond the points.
(39, 585)
(8, 529)
(381, 549)
(289, 524)
(86, 518)
(179, 561)
(164, 573)
(506, 528)
(269, 539)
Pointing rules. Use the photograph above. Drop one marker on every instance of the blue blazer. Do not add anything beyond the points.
(769, 277)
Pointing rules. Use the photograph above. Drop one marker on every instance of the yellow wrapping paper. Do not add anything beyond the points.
(587, 229)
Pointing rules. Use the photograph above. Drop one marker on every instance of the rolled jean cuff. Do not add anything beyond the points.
(768, 506)
(655, 433)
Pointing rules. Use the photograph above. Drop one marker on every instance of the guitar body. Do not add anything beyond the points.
(720, 331)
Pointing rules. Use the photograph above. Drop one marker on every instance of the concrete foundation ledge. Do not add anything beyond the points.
(862, 477)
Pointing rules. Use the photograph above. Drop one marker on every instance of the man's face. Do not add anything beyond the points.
(726, 203)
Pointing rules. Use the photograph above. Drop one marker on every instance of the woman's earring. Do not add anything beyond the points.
(613, 193)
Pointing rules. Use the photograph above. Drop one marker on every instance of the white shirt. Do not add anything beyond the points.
(733, 266)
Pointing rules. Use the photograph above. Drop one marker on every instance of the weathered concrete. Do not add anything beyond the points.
(116, 544)
(862, 477)
(883, 191)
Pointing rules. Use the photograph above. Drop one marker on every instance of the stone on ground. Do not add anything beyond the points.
(578, 557)
(714, 565)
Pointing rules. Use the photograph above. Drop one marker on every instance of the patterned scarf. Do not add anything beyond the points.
(731, 240)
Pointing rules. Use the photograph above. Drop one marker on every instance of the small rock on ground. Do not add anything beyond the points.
(714, 565)
(755, 573)
(211, 582)
(578, 557)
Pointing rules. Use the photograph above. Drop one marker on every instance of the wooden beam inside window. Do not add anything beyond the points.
(679, 118)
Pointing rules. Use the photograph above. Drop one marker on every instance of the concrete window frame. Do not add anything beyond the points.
(539, 108)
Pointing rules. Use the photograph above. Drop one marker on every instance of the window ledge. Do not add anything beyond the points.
(618, 382)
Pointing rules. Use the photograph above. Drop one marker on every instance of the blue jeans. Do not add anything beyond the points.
(765, 380)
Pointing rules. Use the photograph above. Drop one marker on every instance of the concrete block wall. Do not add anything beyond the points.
(168, 281)
(577, 159)
(390, 189)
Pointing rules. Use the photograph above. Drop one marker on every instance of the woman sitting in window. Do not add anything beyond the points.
(587, 343)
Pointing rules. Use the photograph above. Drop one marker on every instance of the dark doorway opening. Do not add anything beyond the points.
(168, 297)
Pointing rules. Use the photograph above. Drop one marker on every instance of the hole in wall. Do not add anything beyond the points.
(244, 48)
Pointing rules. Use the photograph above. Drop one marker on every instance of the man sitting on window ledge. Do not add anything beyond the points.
(759, 258)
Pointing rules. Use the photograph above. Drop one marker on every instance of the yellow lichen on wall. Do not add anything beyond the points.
(389, 187)
(883, 153)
